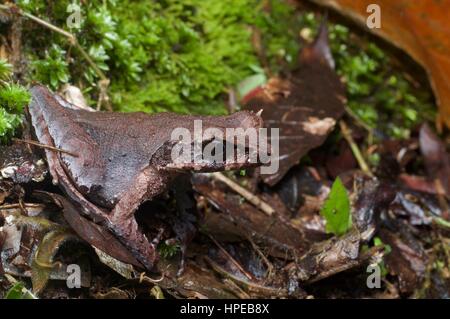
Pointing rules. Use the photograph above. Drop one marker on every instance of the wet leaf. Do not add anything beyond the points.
(336, 210)
(421, 28)
(332, 256)
(407, 259)
(242, 219)
(304, 106)
(437, 160)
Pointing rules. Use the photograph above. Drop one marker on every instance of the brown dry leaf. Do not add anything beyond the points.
(437, 161)
(304, 106)
(281, 238)
(420, 27)
(407, 260)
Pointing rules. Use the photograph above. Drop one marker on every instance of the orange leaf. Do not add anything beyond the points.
(419, 27)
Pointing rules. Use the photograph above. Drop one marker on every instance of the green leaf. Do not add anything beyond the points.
(336, 210)
(18, 291)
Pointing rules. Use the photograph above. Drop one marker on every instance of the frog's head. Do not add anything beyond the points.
(206, 143)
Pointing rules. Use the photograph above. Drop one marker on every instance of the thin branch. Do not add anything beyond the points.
(15, 206)
(249, 196)
(234, 261)
(355, 149)
(49, 147)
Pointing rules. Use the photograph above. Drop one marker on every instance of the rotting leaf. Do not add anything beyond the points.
(245, 220)
(304, 106)
(437, 160)
(408, 258)
(336, 210)
(332, 256)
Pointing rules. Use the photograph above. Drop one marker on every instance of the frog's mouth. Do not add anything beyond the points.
(213, 154)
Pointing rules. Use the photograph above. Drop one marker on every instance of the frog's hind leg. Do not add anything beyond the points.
(122, 221)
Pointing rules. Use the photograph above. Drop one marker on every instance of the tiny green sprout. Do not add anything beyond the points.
(167, 251)
(336, 210)
(378, 243)
(387, 250)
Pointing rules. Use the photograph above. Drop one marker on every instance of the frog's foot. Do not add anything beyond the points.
(128, 232)
(123, 223)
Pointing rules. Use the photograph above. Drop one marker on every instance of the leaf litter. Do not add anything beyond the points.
(319, 232)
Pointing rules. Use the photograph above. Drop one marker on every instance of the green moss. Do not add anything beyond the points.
(168, 251)
(162, 55)
(13, 98)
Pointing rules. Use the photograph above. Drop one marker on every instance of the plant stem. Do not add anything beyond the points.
(252, 198)
(354, 147)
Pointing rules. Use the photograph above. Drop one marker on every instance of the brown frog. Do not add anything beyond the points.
(113, 162)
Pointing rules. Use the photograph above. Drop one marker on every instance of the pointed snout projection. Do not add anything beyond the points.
(210, 144)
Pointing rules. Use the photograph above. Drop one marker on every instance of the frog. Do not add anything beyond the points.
(109, 163)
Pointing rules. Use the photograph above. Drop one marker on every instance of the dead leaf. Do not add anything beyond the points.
(420, 27)
(244, 220)
(407, 259)
(304, 106)
(437, 160)
(329, 257)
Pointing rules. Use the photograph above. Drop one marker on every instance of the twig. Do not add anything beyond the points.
(355, 149)
(252, 198)
(144, 278)
(269, 265)
(234, 261)
(358, 120)
(45, 146)
(15, 206)
(104, 81)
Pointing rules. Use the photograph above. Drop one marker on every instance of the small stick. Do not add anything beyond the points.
(358, 120)
(15, 206)
(355, 149)
(45, 146)
(234, 261)
(252, 198)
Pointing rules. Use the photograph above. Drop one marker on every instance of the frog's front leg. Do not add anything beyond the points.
(149, 183)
